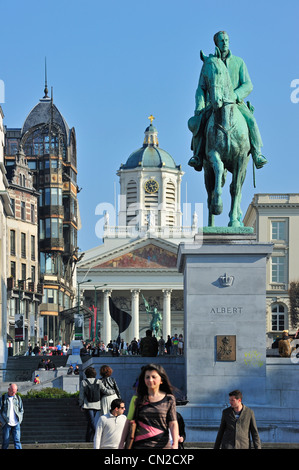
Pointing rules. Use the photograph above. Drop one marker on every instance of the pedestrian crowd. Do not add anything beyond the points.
(59, 350)
(152, 421)
(173, 345)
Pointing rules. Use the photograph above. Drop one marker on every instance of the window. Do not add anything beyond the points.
(132, 204)
(12, 203)
(170, 204)
(12, 146)
(278, 269)
(41, 229)
(32, 247)
(23, 210)
(13, 269)
(278, 230)
(23, 245)
(52, 196)
(23, 268)
(32, 213)
(278, 317)
(39, 143)
(12, 242)
(49, 263)
(50, 296)
(48, 228)
(32, 273)
(56, 196)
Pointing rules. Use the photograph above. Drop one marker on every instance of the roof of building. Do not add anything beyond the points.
(44, 112)
(150, 155)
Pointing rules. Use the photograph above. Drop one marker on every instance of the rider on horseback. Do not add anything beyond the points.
(242, 86)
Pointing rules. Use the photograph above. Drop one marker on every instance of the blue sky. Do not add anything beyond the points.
(112, 64)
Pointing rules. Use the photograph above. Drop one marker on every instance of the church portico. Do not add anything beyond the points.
(167, 302)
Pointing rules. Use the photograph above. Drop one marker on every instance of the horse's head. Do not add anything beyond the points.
(217, 79)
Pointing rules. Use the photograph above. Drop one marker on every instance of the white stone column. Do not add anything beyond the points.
(135, 314)
(107, 318)
(166, 313)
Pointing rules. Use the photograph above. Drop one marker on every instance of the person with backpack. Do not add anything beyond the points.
(11, 417)
(91, 391)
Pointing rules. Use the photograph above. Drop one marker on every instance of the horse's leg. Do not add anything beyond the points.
(238, 178)
(218, 167)
(209, 179)
(243, 175)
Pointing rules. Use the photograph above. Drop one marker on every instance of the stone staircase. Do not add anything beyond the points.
(20, 368)
(52, 420)
(49, 420)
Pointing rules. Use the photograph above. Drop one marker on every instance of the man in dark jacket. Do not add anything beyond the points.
(149, 345)
(237, 424)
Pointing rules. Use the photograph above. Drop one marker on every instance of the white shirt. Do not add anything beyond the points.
(13, 420)
(109, 431)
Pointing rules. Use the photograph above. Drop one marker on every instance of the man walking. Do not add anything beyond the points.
(11, 416)
(110, 426)
(237, 424)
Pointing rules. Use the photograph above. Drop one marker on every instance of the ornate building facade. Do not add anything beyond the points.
(49, 146)
(5, 210)
(23, 288)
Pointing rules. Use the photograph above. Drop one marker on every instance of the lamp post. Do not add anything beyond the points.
(96, 310)
(22, 315)
(78, 306)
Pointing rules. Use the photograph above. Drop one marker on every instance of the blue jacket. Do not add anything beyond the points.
(4, 408)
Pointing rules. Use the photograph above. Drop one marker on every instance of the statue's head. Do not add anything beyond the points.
(221, 40)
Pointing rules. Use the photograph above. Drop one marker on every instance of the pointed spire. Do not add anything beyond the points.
(46, 84)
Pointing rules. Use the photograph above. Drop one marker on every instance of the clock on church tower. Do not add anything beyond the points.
(150, 186)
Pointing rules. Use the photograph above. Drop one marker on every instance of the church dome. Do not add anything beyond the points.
(150, 155)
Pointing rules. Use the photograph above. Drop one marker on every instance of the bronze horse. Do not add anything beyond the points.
(227, 144)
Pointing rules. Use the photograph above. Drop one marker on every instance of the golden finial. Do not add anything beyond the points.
(151, 118)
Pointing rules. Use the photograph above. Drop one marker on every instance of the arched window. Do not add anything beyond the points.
(279, 315)
(39, 142)
(170, 204)
(131, 201)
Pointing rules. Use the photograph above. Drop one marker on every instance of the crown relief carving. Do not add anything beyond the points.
(226, 280)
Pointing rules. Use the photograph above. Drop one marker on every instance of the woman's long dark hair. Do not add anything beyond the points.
(165, 386)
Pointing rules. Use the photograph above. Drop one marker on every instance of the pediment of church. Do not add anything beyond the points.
(148, 256)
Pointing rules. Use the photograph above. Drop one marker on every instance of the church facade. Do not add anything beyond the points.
(136, 266)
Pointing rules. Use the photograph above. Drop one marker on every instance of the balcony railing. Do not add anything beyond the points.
(26, 286)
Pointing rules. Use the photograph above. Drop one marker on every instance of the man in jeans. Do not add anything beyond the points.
(11, 416)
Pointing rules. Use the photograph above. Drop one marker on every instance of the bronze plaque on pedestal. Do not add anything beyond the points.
(226, 348)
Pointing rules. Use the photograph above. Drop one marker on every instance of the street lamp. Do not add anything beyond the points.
(78, 306)
(96, 310)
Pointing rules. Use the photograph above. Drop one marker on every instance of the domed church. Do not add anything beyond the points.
(136, 266)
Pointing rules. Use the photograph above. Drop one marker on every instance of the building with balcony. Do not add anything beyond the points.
(50, 149)
(23, 287)
(275, 218)
(5, 210)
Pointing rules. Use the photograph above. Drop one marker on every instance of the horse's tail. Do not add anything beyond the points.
(253, 166)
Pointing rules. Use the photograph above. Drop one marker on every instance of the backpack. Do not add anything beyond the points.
(92, 391)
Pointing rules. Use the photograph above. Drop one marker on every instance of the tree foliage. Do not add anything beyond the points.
(294, 303)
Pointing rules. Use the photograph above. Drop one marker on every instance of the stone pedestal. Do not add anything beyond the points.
(74, 358)
(225, 317)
